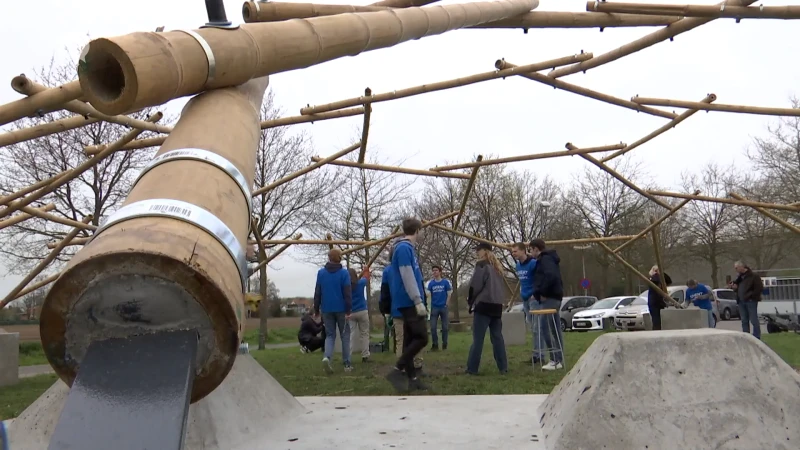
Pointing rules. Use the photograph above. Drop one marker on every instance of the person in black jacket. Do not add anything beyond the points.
(548, 290)
(311, 334)
(748, 288)
(655, 302)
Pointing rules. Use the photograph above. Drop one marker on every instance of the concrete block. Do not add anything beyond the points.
(684, 319)
(9, 358)
(648, 321)
(675, 389)
(514, 328)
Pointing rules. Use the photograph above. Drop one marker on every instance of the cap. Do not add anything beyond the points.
(483, 246)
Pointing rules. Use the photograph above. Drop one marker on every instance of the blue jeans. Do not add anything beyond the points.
(749, 313)
(711, 322)
(526, 308)
(479, 326)
(553, 338)
(333, 321)
(436, 314)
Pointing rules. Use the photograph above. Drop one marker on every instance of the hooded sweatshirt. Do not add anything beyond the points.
(332, 293)
(405, 277)
(309, 329)
(525, 274)
(486, 293)
(547, 276)
(385, 304)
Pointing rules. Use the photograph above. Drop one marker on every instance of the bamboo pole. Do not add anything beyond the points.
(298, 241)
(27, 190)
(534, 156)
(471, 236)
(44, 129)
(41, 101)
(43, 264)
(26, 86)
(378, 253)
(620, 178)
(36, 286)
(768, 214)
(329, 240)
(760, 110)
(70, 175)
(138, 70)
(268, 259)
(628, 265)
(53, 218)
(644, 232)
(737, 12)
(562, 19)
(24, 216)
(661, 130)
(306, 170)
(402, 3)
(558, 84)
(592, 240)
(179, 274)
(447, 84)
(467, 192)
(396, 169)
(362, 153)
(253, 12)
(425, 223)
(642, 43)
(262, 316)
(726, 200)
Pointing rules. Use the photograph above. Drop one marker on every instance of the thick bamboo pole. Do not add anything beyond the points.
(253, 11)
(36, 286)
(178, 261)
(71, 174)
(41, 101)
(362, 153)
(25, 216)
(396, 169)
(425, 223)
(727, 200)
(642, 43)
(737, 12)
(633, 270)
(306, 169)
(26, 86)
(137, 70)
(470, 184)
(262, 316)
(378, 253)
(560, 19)
(471, 236)
(558, 84)
(57, 219)
(447, 84)
(768, 214)
(44, 129)
(760, 110)
(43, 264)
(632, 186)
(265, 124)
(661, 130)
(644, 232)
(512, 159)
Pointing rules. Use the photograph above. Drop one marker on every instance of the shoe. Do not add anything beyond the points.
(326, 366)
(304, 349)
(348, 368)
(552, 366)
(435, 348)
(398, 379)
(467, 372)
(444, 347)
(417, 384)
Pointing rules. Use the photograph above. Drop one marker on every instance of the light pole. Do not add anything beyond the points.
(545, 205)
(583, 262)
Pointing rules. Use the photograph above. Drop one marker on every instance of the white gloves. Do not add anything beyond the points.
(422, 310)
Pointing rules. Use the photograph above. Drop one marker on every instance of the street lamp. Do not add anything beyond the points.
(545, 205)
(583, 262)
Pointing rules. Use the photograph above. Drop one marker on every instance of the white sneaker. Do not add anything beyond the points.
(303, 349)
(552, 366)
(326, 365)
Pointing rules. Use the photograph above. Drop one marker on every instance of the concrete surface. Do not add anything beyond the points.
(675, 389)
(514, 328)
(32, 371)
(684, 319)
(9, 358)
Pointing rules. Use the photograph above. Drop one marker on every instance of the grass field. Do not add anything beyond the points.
(302, 375)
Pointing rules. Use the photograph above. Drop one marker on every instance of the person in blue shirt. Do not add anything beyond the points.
(440, 291)
(701, 296)
(526, 264)
(407, 292)
(333, 297)
(359, 317)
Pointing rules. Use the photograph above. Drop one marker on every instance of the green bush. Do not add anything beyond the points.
(18, 322)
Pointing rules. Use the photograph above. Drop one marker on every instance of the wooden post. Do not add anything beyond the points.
(467, 191)
(365, 127)
(396, 169)
(535, 156)
(635, 272)
(305, 170)
(766, 213)
(654, 224)
(729, 201)
(41, 101)
(760, 110)
(736, 12)
(263, 307)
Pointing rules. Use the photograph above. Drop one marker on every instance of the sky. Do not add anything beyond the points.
(750, 63)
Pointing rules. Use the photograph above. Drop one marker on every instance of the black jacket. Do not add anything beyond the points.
(309, 328)
(749, 287)
(547, 276)
(385, 303)
(654, 300)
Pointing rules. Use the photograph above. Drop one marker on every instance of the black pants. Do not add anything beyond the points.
(415, 338)
(655, 314)
(314, 343)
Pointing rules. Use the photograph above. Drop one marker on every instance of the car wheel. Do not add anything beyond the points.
(563, 325)
(726, 314)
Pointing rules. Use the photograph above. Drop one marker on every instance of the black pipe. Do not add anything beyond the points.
(216, 14)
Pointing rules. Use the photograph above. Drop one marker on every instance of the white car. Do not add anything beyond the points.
(632, 317)
(592, 318)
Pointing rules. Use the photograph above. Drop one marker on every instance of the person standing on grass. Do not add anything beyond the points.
(359, 317)
(655, 301)
(396, 318)
(526, 264)
(486, 295)
(309, 334)
(701, 296)
(548, 290)
(440, 290)
(407, 299)
(333, 297)
(748, 287)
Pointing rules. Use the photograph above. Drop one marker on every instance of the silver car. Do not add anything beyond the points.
(572, 305)
(726, 303)
(633, 316)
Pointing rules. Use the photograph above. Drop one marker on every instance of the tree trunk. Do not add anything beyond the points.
(262, 309)
(454, 298)
(712, 259)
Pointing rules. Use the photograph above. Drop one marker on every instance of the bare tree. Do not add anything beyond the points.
(97, 191)
(777, 158)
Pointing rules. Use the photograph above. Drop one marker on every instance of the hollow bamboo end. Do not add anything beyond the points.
(711, 97)
(21, 84)
(249, 13)
(107, 77)
(500, 64)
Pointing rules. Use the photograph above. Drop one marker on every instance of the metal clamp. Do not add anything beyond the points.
(205, 156)
(186, 212)
(212, 62)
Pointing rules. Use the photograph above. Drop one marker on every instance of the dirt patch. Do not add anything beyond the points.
(27, 333)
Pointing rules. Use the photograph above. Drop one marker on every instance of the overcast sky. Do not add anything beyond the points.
(751, 63)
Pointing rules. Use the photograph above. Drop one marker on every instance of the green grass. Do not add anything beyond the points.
(14, 399)
(31, 354)
(786, 345)
(274, 336)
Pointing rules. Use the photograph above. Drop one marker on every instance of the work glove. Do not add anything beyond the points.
(422, 310)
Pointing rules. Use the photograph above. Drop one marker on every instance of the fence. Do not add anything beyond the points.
(782, 294)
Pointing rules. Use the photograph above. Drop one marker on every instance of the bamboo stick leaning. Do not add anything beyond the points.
(396, 169)
(785, 12)
(759, 110)
(40, 101)
(563, 19)
(768, 214)
(535, 156)
(729, 201)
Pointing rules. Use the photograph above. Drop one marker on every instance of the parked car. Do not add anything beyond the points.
(572, 305)
(592, 318)
(632, 317)
(727, 306)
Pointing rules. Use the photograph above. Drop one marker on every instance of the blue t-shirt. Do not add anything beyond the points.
(693, 293)
(359, 297)
(439, 290)
(525, 275)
